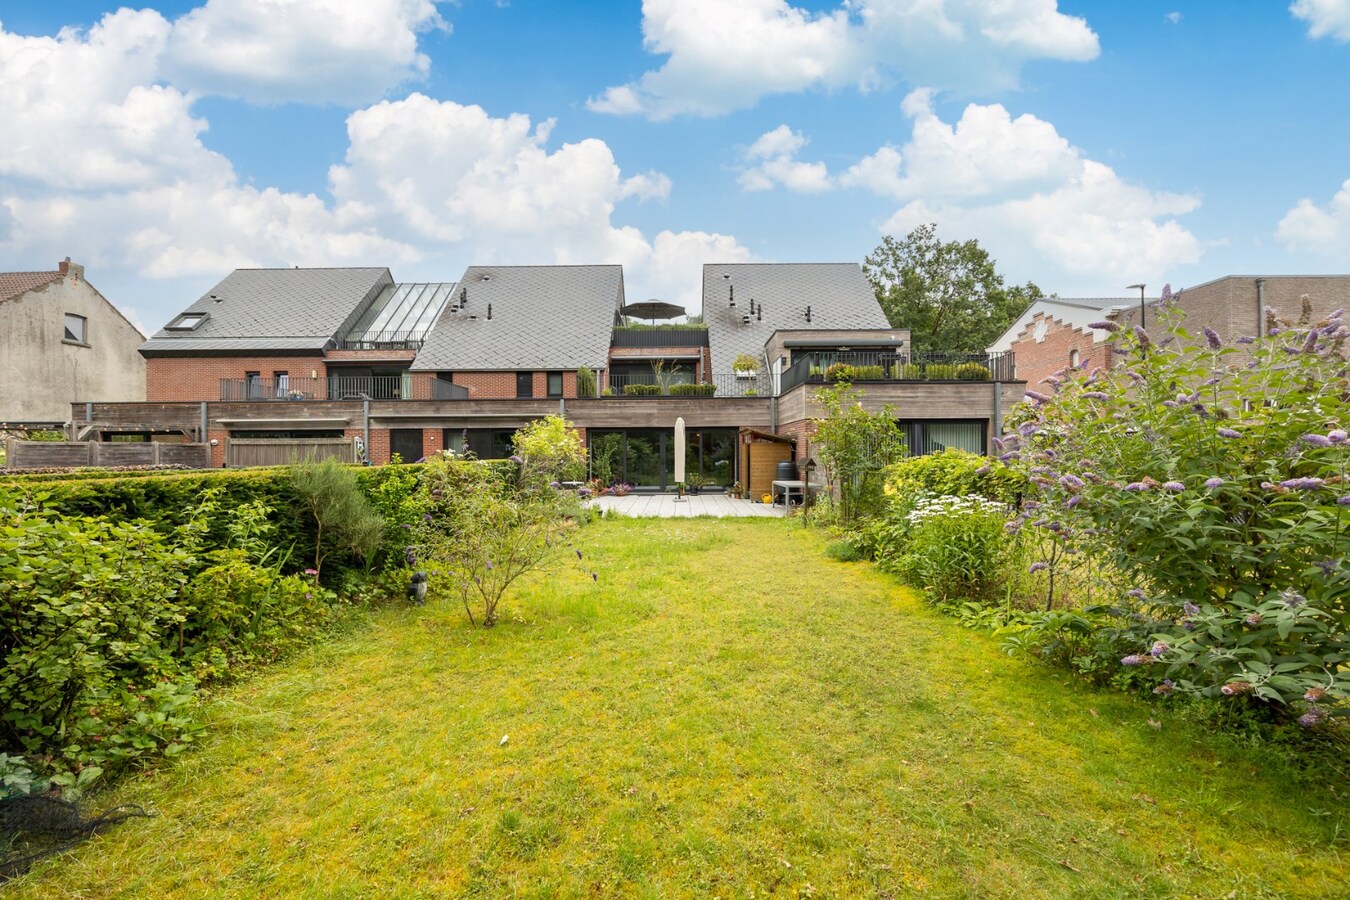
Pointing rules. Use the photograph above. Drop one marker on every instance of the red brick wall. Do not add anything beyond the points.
(1037, 359)
(502, 385)
(199, 378)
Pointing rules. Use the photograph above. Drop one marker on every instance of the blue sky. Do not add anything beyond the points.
(1086, 145)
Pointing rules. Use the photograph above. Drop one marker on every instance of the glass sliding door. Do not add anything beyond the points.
(645, 457)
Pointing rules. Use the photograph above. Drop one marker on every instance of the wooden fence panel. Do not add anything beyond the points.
(80, 454)
(244, 452)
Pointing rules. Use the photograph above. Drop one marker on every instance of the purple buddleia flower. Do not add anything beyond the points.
(1011, 454)
(489, 565)
(1096, 395)
(1173, 486)
(1292, 598)
(1052, 380)
(1343, 500)
(1027, 429)
(1336, 314)
(983, 470)
(1050, 454)
(998, 443)
(1135, 487)
(1036, 397)
(1038, 567)
(1144, 340)
(1302, 484)
(555, 484)
(516, 459)
(1171, 404)
(1032, 504)
(1312, 718)
(1158, 649)
(1104, 326)
(1317, 440)
(1040, 523)
(1136, 593)
(408, 555)
(1190, 608)
(1253, 620)
(1199, 409)
(1134, 659)
(1215, 482)
(426, 517)
(1165, 688)
(1074, 501)
(1013, 527)
(1166, 295)
(1188, 625)
(1072, 482)
(1337, 436)
(1212, 338)
(1228, 433)
(1310, 342)
(1246, 339)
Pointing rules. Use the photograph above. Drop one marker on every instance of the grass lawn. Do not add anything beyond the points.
(726, 713)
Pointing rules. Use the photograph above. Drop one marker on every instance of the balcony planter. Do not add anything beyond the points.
(745, 366)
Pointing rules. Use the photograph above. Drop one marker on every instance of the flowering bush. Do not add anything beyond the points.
(1213, 478)
(954, 547)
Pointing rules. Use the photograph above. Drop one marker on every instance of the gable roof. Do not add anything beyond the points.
(274, 309)
(16, 284)
(839, 295)
(1076, 312)
(543, 317)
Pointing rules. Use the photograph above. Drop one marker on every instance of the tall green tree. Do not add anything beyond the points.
(948, 293)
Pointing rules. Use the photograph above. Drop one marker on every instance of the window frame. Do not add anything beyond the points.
(68, 336)
(524, 385)
(548, 384)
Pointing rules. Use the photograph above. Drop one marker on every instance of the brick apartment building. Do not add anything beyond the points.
(1053, 332)
(350, 355)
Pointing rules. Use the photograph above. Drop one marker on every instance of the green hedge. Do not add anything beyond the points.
(642, 390)
(972, 371)
(955, 473)
(693, 390)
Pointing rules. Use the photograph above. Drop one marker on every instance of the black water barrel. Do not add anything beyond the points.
(787, 471)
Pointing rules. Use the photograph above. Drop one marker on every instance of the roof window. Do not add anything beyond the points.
(187, 322)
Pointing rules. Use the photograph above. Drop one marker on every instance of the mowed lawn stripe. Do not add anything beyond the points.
(725, 712)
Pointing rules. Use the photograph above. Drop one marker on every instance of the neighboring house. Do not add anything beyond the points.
(411, 369)
(1048, 337)
(61, 341)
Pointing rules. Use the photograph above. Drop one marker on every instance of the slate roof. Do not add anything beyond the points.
(543, 317)
(16, 284)
(839, 295)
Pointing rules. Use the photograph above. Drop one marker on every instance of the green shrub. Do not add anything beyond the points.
(972, 371)
(642, 390)
(954, 548)
(855, 446)
(693, 390)
(344, 520)
(955, 473)
(839, 372)
(940, 372)
(550, 450)
(907, 372)
(585, 382)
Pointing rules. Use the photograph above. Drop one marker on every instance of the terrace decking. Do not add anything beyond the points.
(664, 506)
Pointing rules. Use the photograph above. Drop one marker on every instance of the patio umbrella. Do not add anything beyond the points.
(679, 450)
(652, 310)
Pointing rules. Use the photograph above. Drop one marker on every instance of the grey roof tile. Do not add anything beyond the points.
(839, 295)
(276, 304)
(543, 317)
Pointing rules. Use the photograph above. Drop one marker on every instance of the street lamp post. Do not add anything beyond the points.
(1130, 287)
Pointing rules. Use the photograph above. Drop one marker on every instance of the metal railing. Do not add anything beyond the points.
(658, 337)
(821, 367)
(335, 387)
(384, 340)
(649, 385)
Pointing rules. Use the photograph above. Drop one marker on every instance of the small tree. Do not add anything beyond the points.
(482, 534)
(856, 446)
(586, 382)
(344, 520)
(549, 450)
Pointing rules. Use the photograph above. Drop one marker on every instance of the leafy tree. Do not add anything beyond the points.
(856, 446)
(344, 520)
(948, 293)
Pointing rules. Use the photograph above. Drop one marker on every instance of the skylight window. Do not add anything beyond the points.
(187, 322)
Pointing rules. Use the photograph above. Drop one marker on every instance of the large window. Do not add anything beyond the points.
(524, 384)
(645, 457)
(926, 436)
(484, 443)
(555, 383)
(76, 331)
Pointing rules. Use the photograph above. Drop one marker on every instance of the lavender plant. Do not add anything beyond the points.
(1212, 476)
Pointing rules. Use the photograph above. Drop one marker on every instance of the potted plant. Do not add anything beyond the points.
(695, 482)
(745, 366)
(736, 490)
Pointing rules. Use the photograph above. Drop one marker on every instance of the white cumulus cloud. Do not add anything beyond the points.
(1023, 190)
(1325, 18)
(1324, 230)
(771, 161)
(726, 56)
(312, 51)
